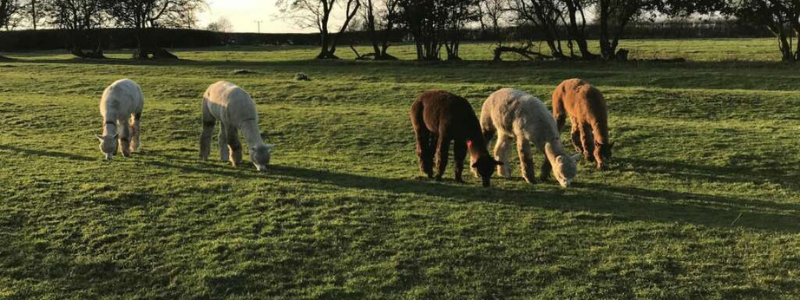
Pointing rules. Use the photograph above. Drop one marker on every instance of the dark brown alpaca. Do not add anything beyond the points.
(587, 111)
(440, 117)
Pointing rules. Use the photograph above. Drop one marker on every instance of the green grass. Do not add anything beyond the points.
(702, 201)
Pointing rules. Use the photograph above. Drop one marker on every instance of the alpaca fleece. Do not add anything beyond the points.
(513, 114)
(588, 114)
(121, 107)
(235, 110)
(440, 117)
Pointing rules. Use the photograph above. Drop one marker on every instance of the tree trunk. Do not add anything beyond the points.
(577, 32)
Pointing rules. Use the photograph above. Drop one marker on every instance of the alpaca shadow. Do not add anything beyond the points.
(47, 153)
(621, 203)
(691, 172)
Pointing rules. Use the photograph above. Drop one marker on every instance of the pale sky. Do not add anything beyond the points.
(243, 14)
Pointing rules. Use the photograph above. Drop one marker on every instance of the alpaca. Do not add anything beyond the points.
(511, 113)
(121, 108)
(587, 111)
(235, 110)
(440, 117)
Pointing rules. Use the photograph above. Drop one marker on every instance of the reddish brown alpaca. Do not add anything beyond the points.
(440, 117)
(587, 111)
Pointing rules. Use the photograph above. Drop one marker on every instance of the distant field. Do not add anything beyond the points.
(702, 200)
(696, 50)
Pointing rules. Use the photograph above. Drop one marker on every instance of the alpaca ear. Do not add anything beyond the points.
(99, 137)
(576, 157)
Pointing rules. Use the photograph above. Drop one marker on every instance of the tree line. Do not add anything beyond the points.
(81, 17)
(436, 27)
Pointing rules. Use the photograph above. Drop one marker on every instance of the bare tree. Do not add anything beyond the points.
(8, 10)
(317, 14)
(79, 18)
(781, 17)
(380, 16)
(8, 13)
(34, 12)
(436, 24)
(146, 15)
(220, 25)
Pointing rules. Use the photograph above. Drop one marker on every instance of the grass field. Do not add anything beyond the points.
(702, 200)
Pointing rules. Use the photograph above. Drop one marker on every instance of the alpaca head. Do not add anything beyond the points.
(485, 166)
(108, 145)
(603, 151)
(565, 168)
(260, 155)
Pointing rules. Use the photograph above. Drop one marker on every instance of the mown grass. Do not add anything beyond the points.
(702, 201)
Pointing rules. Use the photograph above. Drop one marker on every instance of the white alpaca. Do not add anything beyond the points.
(121, 108)
(235, 110)
(511, 114)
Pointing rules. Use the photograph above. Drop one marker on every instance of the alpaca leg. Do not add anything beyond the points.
(234, 146)
(525, 160)
(208, 130)
(501, 154)
(442, 149)
(587, 140)
(205, 139)
(546, 169)
(460, 153)
(135, 131)
(424, 151)
(125, 141)
(223, 143)
(576, 138)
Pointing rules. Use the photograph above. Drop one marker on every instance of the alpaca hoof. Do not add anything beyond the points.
(438, 178)
(530, 181)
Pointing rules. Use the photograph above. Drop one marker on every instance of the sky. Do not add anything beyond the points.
(243, 14)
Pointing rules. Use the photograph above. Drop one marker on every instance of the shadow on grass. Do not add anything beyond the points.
(691, 172)
(47, 153)
(728, 74)
(622, 203)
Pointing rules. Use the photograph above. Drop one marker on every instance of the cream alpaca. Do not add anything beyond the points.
(235, 110)
(511, 113)
(121, 108)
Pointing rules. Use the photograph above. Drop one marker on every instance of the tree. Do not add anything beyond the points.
(544, 16)
(779, 16)
(317, 14)
(8, 10)
(437, 23)
(144, 16)
(79, 18)
(220, 25)
(34, 12)
(380, 15)
(8, 13)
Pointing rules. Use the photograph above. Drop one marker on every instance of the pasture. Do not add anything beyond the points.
(702, 200)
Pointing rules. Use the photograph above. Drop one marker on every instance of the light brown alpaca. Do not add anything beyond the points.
(587, 111)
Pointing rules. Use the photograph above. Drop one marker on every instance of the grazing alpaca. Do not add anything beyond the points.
(235, 110)
(587, 111)
(511, 113)
(440, 117)
(121, 108)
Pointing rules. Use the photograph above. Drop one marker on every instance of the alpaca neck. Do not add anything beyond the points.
(477, 148)
(110, 127)
(553, 149)
(251, 134)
